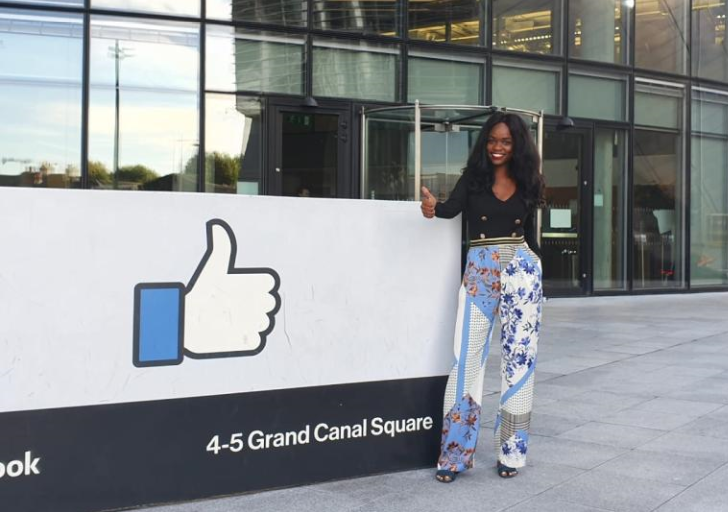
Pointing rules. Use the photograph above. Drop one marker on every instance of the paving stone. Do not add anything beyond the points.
(614, 492)
(548, 425)
(620, 436)
(647, 419)
(683, 407)
(550, 504)
(661, 467)
(690, 445)
(706, 426)
(708, 495)
(566, 452)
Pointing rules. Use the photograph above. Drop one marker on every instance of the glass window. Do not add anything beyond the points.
(526, 86)
(444, 81)
(658, 106)
(178, 7)
(450, 21)
(710, 112)
(347, 69)
(371, 17)
(661, 38)
(40, 99)
(277, 12)
(710, 53)
(233, 144)
(143, 118)
(242, 60)
(657, 197)
(611, 91)
(71, 3)
(598, 30)
(709, 190)
(527, 26)
(610, 234)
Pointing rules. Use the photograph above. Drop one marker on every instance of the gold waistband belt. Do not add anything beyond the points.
(504, 240)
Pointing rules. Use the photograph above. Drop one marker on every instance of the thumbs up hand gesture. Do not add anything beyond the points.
(224, 311)
(428, 203)
(226, 308)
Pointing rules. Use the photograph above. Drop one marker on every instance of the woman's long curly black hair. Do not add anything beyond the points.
(523, 166)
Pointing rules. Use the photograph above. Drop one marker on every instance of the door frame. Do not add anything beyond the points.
(274, 146)
(585, 198)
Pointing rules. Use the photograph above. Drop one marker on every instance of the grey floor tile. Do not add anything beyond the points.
(647, 419)
(548, 425)
(614, 492)
(570, 453)
(549, 504)
(620, 436)
(708, 495)
(719, 414)
(689, 445)
(631, 349)
(661, 467)
(706, 426)
(682, 407)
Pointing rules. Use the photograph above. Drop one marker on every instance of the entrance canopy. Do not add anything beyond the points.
(406, 147)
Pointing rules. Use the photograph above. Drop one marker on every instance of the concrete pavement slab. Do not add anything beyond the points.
(708, 495)
(621, 493)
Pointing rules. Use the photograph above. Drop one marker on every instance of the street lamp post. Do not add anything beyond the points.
(118, 54)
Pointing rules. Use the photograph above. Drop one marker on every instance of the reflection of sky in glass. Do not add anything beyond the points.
(49, 2)
(153, 54)
(40, 77)
(225, 125)
(184, 7)
(158, 77)
(219, 9)
(254, 61)
(157, 129)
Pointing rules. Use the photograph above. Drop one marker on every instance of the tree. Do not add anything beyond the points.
(220, 168)
(136, 173)
(98, 174)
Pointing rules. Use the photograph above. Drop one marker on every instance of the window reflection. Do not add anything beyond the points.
(355, 70)
(371, 17)
(143, 121)
(233, 144)
(661, 38)
(610, 158)
(72, 3)
(40, 91)
(523, 85)
(178, 7)
(443, 81)
(243, 60)
(611, 91)
(709, 190)
(598, 30)
(710, 49)
(527, 25)
(277, 12)
(450, 21)
(657, 203)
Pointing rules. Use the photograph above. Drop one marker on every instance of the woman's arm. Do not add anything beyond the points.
(457, 201)
(531, 234)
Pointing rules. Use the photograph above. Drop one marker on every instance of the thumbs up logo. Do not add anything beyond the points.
(224, 311)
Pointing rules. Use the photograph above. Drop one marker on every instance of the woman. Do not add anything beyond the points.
(498, 193)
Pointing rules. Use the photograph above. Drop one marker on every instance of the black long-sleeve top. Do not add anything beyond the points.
(489, 217)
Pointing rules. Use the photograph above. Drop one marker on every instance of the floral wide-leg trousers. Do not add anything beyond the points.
(502, 277)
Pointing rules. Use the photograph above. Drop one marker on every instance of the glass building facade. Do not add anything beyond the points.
(265, 97)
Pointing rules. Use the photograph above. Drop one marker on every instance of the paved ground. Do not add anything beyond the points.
(631, 414)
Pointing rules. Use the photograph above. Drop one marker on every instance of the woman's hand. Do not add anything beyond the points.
(428, 203)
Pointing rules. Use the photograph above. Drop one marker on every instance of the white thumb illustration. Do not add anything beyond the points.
(228, 311)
